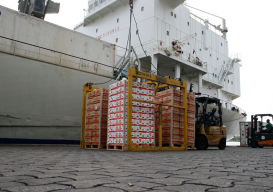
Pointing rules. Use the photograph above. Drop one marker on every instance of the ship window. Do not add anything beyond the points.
(137, 32)
(168, 33)
(224, 62)
(224, 79)
(188, 23)
(142, 8)
(217, 58)
(97, 30)
(228, 81)
(232, 82)
(200, 49)
(202, 32)
(171, 13)
(210, 54)
(117, 20)
(188, 43)
(174, 15)
(221, 44)
(116, 40)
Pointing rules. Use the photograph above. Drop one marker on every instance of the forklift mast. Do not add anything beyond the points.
(220, 113)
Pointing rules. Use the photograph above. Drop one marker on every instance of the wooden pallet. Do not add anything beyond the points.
(171, 145)
(116, 147)
(124, 148)
(95, 147)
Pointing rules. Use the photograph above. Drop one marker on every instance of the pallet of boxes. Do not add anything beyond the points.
(172, 118)
(191, 119)
(143, 119)
(95, 135)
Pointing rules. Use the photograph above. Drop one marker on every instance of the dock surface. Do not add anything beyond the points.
(69, 168)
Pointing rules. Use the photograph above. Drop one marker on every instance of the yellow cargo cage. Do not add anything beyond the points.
(160, 82)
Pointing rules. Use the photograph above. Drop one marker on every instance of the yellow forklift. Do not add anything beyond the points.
(259, 137)
(209, 131)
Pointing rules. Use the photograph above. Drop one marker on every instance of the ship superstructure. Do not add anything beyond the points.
(174, 42)
(203, 60)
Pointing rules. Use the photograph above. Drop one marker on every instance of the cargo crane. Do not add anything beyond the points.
(38, 8)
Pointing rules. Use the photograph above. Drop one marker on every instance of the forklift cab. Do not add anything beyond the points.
(260, 138)
(209, 132)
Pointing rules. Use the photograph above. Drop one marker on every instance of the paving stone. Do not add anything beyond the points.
(45, 181)
(185, 188)
(167, 181)
(251, 174)
(131, 179)
(88, 183)
(240, 188)
(86, 177)
(234, 169)
(212, 182)
(10, 184)
(14, 178)
(95, 189)
(153, 176)
(233, 177)
(126, 187)
(41, 188)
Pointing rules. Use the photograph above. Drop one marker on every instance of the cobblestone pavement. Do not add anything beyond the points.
(59, 168)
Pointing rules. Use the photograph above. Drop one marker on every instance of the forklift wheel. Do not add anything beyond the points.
(201, 142)
(261, 146)
(222, 144)
(254, 144)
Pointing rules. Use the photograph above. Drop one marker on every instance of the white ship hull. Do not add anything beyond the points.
(40, 103)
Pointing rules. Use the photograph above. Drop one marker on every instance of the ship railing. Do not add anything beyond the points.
(211, 26)
(42, 54)
(157, 45)
(232, 107)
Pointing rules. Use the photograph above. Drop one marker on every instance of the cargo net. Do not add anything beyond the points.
(96, 119)
(173, 118)
(143, 114)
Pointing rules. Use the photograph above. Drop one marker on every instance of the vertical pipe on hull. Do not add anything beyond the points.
(177, 71)
(154, 65)
(200, 82)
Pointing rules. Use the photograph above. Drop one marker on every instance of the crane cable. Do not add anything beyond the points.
(142, 45)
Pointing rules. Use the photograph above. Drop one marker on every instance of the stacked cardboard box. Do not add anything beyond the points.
(172, 118)
(143, 119)
(96, 118)
(191, 118)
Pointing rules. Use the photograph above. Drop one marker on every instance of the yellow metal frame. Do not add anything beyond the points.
(166, 81)
(87, 88)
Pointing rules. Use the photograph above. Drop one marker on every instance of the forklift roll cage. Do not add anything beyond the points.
(254, 122)
(205, 101)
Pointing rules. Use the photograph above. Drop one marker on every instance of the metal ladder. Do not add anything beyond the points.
(225, 70)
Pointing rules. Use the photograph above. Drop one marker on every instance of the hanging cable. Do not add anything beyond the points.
(103, 83)
(142, 45)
